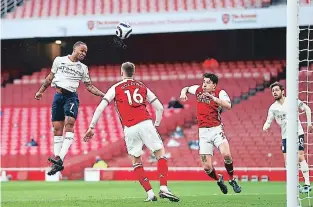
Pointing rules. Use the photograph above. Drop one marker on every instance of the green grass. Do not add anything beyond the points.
(120, 194)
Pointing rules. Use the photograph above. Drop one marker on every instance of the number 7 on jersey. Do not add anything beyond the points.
(136, 97)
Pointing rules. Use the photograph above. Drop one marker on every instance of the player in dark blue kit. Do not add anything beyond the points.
(65, 75)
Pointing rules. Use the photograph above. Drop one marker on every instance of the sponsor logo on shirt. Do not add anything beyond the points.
(74, 70)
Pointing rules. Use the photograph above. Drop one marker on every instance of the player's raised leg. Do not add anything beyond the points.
(225, 151)
(210, 171)
(58, 127)
(58, 117)
(71, 111)
(206, 137)
(58, 142)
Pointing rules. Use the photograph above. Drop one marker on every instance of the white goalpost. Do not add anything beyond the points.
(293, 85)
(292, 74)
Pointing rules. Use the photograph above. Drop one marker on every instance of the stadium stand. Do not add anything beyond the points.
(57, 8)
(25, 118)
(254, 72)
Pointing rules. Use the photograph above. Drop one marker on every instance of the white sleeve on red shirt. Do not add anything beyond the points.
(224, 96)
(150, 96)
(156, 104)
(193, 89)
(109, 96)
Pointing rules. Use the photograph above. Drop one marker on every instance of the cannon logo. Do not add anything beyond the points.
(225, 18)
(91, 25)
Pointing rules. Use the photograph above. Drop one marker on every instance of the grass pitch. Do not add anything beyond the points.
(124, 194)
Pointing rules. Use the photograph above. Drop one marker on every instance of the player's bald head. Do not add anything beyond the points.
(128, 68)
(79, 43)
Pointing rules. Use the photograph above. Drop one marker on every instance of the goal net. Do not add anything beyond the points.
(306, 95)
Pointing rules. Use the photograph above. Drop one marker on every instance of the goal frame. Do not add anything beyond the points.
(292, 88)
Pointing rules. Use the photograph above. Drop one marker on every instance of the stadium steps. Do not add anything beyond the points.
(102, 7)
(8, 6)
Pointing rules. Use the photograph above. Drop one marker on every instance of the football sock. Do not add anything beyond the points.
(143, 180)
(163, 171)
(305, 172)
(229, 168)
(68, 141)
(150, 193)
(211, 172)
(57, 145)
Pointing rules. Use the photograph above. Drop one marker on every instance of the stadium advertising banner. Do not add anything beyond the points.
(152, 23)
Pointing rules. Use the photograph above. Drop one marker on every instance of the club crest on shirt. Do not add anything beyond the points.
(281, 116)
(79, 67)
(202, 97)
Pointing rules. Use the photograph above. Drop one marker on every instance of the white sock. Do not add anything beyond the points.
(150, 193)
(58, 142)
(164, 188)
(305, 172)
(68, 140)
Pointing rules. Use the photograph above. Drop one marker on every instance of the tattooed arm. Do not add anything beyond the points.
(90, 87)
(93, 89)
(48, 79)
(45, 85)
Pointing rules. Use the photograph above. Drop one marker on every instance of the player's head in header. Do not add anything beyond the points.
(79, 51)
(278, 90)
(210, 81)
(127, 70)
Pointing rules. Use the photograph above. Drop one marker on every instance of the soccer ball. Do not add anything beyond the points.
(123, 30)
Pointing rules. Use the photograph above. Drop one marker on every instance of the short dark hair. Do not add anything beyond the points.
(78, 43)
(281, 87)
(128, 68)
(211, 76)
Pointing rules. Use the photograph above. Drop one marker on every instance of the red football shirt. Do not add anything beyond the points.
(130, 99)
(208, 111)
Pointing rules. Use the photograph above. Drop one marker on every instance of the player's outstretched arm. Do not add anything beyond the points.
(269, 119)
(93, 89)
(109, 96)
(188, 89)
(308, 114)
(45, 85)
(95, 118)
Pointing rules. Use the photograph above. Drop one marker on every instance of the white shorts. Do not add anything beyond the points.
(210, 137)
(143, 133)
